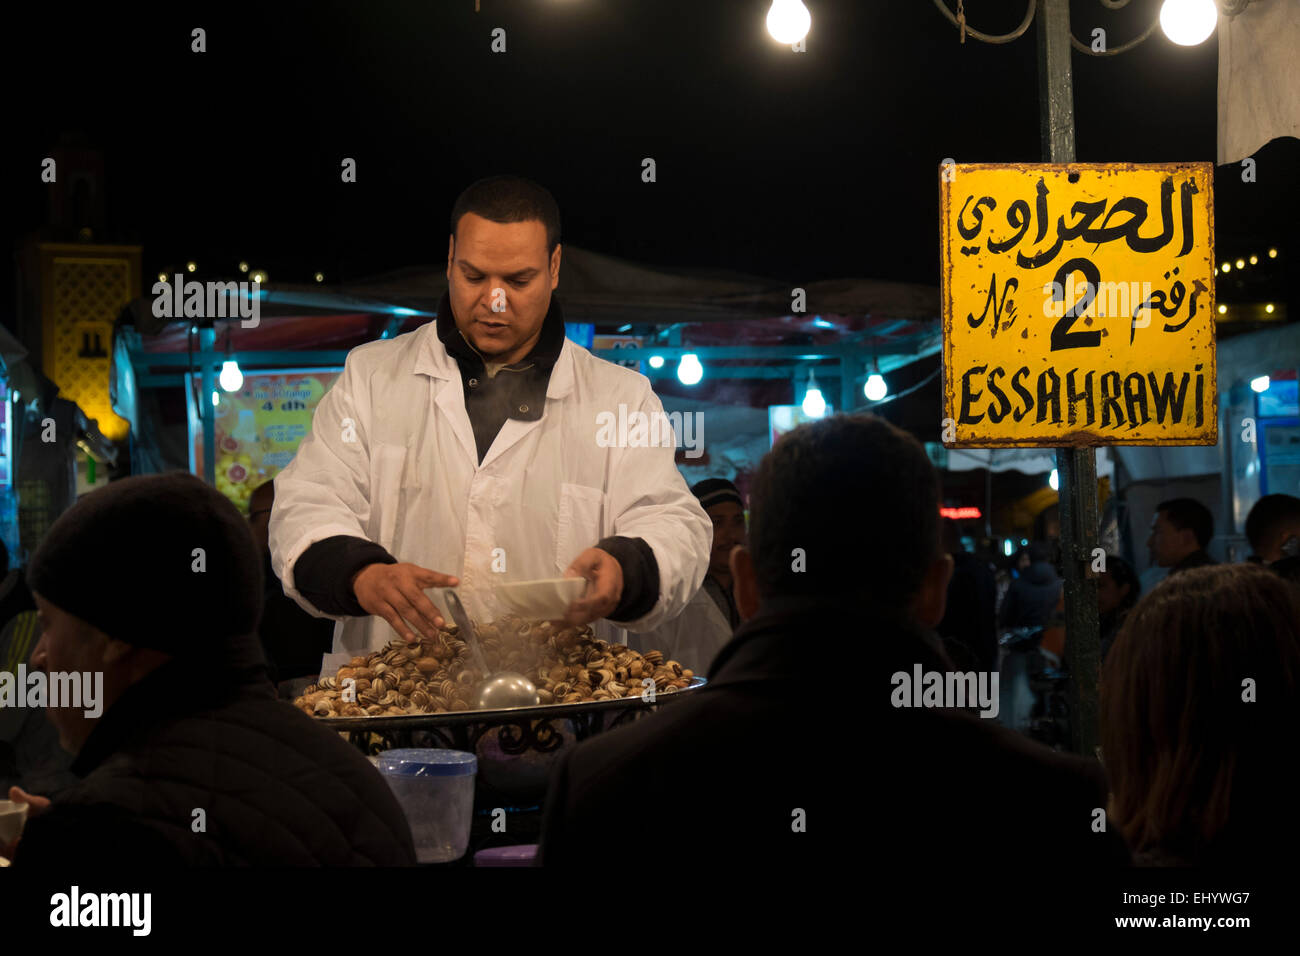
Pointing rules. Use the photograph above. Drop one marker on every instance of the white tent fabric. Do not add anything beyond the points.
(1030, 461)
(1259, 77)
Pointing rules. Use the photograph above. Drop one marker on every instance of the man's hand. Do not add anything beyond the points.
(35, 807)
(395, 592)
(604, 590)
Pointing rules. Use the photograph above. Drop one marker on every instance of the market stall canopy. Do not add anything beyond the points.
(594, 288)
(1030, 461)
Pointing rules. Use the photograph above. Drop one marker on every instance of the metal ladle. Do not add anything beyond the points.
(502, 690)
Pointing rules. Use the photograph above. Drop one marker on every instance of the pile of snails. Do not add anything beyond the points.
(436, 674)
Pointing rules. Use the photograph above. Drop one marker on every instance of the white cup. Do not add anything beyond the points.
(13, 816)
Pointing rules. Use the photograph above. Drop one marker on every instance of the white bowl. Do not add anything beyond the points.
(545, 600)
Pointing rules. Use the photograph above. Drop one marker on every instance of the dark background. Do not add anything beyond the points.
(792, 166)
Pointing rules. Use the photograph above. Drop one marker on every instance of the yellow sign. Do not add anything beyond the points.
(1078, 304)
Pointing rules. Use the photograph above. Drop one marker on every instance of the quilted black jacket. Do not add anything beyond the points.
(200, 765)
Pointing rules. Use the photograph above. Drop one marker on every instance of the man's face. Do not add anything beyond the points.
(728, 531)
(70, 645)
(1168, 544)
(500, 279)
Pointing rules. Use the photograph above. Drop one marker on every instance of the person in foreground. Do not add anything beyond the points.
(795, 748)
(1200, 705)
(191, 759)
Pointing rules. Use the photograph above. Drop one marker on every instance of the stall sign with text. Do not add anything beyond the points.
(1078, 304)
(259, 428)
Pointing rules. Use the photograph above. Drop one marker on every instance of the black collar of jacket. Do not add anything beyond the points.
(801, 638)
(181, 686)
(535, 368)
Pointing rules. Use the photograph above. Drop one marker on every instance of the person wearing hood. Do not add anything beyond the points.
(1033, 595)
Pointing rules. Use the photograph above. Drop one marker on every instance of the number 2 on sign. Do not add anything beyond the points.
(1062, 337)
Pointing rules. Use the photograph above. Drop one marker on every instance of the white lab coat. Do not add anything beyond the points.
(693, 638)
(391, 457)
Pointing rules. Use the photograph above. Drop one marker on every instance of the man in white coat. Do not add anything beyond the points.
(468, 454)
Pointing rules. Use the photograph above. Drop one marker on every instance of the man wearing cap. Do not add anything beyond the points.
(468, 454)
(186, 757)
(699, 632)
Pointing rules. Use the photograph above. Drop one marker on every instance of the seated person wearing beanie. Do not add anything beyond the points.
(154, 583)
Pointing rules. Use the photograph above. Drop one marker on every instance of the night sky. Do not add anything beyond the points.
(792, 166)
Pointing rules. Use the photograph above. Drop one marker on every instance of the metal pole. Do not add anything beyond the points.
(207, 345)
(1076, 467)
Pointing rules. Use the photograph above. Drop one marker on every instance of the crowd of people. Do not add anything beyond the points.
(1199, 690)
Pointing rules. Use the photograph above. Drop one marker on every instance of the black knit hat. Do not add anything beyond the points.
(124, 559)
(714, 491)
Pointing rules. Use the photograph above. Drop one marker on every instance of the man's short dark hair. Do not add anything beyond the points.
(1188, 514)
(860, 498)
(510, 199)
(1267, 519)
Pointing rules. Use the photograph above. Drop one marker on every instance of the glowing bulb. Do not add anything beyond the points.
(814, 403)
(1007, 547)
(875, 389)
(17, 394)
(656, 361)
(243, 267)
(1223, 309)
(162, 277)
(320, 277)
(216, 397)
(689, 369)
(1269, 308)
(1226, 267)
(1241, 263)
(1272, 253)
(231, 378)
(259, 276)
(1254, 260)
(1054, 480)
(788, 21)
(1188, 22)
(1259, 384)
(191, 266)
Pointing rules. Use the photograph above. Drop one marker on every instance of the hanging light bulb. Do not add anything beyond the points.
(656, 361)
(814, 403)
(231, 378)
(1188, 22)
(689, 369)
(875, 388)
(788, 21)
